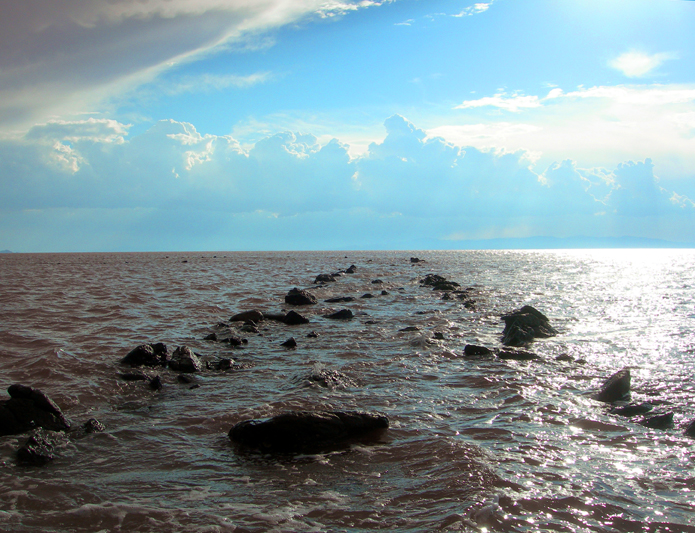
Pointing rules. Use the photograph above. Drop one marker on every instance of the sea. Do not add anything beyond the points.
(475, 443)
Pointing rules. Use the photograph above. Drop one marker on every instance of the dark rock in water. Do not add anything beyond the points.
(211, 337)
(616, 388)
(28, 408)
(632, 410)
(222, 364)
(324, 278)
(148, 355)
(292, 318)
(690, 429)
(343, 314)
(184, 360)
(300, 297)
(290, 343)
(156, 383)
(93, 426)
(524, 325)
(384, 293)
(306, 431)
(377, 281)
(256, 316)
(235, 341)
(187, 379)
(134, 376)
(312, 335)
(351, 270)
(340, 299)
(517, 355)
(472, 349)
(664, 421)
(410, 328)
(329, 379)
(439, 336)
(367, 295)
(444, 286)
(416, 260)
(432, 279)
(247, 328)
(564, 358)
(39, 449)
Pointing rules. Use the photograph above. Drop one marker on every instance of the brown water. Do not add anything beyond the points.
(465, 432)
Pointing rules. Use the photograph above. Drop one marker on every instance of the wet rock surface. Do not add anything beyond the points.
(300, 297)
(307, 431)
(185, 360)
(523, 326)
(148, 355)
(616, 388)
(28, 408)
(40, 448)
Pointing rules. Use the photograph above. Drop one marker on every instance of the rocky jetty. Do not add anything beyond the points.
(524, 325)
(148, 355)
(29, 408)
(307, 431)
(616, 388)
(300, 297)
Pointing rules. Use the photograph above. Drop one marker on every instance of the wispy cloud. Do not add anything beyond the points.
(634, 64)
(480, 7)
(213, 82)
(514, 102)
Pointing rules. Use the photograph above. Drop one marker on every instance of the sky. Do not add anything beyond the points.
(165, 125)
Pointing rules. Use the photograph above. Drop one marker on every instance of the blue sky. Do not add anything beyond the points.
(343, 124)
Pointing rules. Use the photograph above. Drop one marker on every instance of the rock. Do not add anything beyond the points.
(564, 358)
(664, 421)
(439, 336)
(367, 295)
(517, 355)
(329, 379)
(187, 379)
(384, 293)
(632, 410)
(340, 299)
(472, 349)
(148, 355)
(377, 281)
(616, 388)
(234, 341)
(300, 297)
(324, 278)
(39, 449)
(343, 314)
(432, 279)
(222, 364)
(28, 408)
(416, 260)
(312, 335)
(290, 343)
(525, 325)
(134, 376)
(306, 431)
(690, 429)
(156, 383)
(184, 360)
(445, 286)
(211, 337)
(410, 328)
(255, 316)
(292, 318)
(351, 270)
(93, 426)
(247, 328)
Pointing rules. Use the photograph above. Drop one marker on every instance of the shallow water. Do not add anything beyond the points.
(464, 430)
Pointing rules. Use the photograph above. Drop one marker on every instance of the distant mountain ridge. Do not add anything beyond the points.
(5, 251)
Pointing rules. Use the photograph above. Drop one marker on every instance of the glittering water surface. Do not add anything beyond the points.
(475, 442)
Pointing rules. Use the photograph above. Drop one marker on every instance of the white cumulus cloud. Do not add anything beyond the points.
(636, 64)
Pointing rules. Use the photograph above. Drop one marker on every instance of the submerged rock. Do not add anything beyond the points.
(472, 349)
(39, 449)
(292, 318)
(351, 269)
(524, 325)
(324, 278)
(517, 355)
(340, 299)
(432, 279)
(290, 343)
(343, 314)
(148, 355)
(307, 431)
(329, 379)
(28, 408)
(632, 410)
(184, 360)
(664, 421)
(690, 429)
(616, 388)
(93, 426)
(300, 297)
(255, 316)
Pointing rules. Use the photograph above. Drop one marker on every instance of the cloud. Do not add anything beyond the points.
(410, 187)
(58, 56)
(512, 103)
(480, 7)
(636, 64)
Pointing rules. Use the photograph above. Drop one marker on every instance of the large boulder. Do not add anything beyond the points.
(616, 388)
(300, 297)
(28, 408)
(524, 325)
(148, 355)
(307, 431)
(184, 360)
(324, 278)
